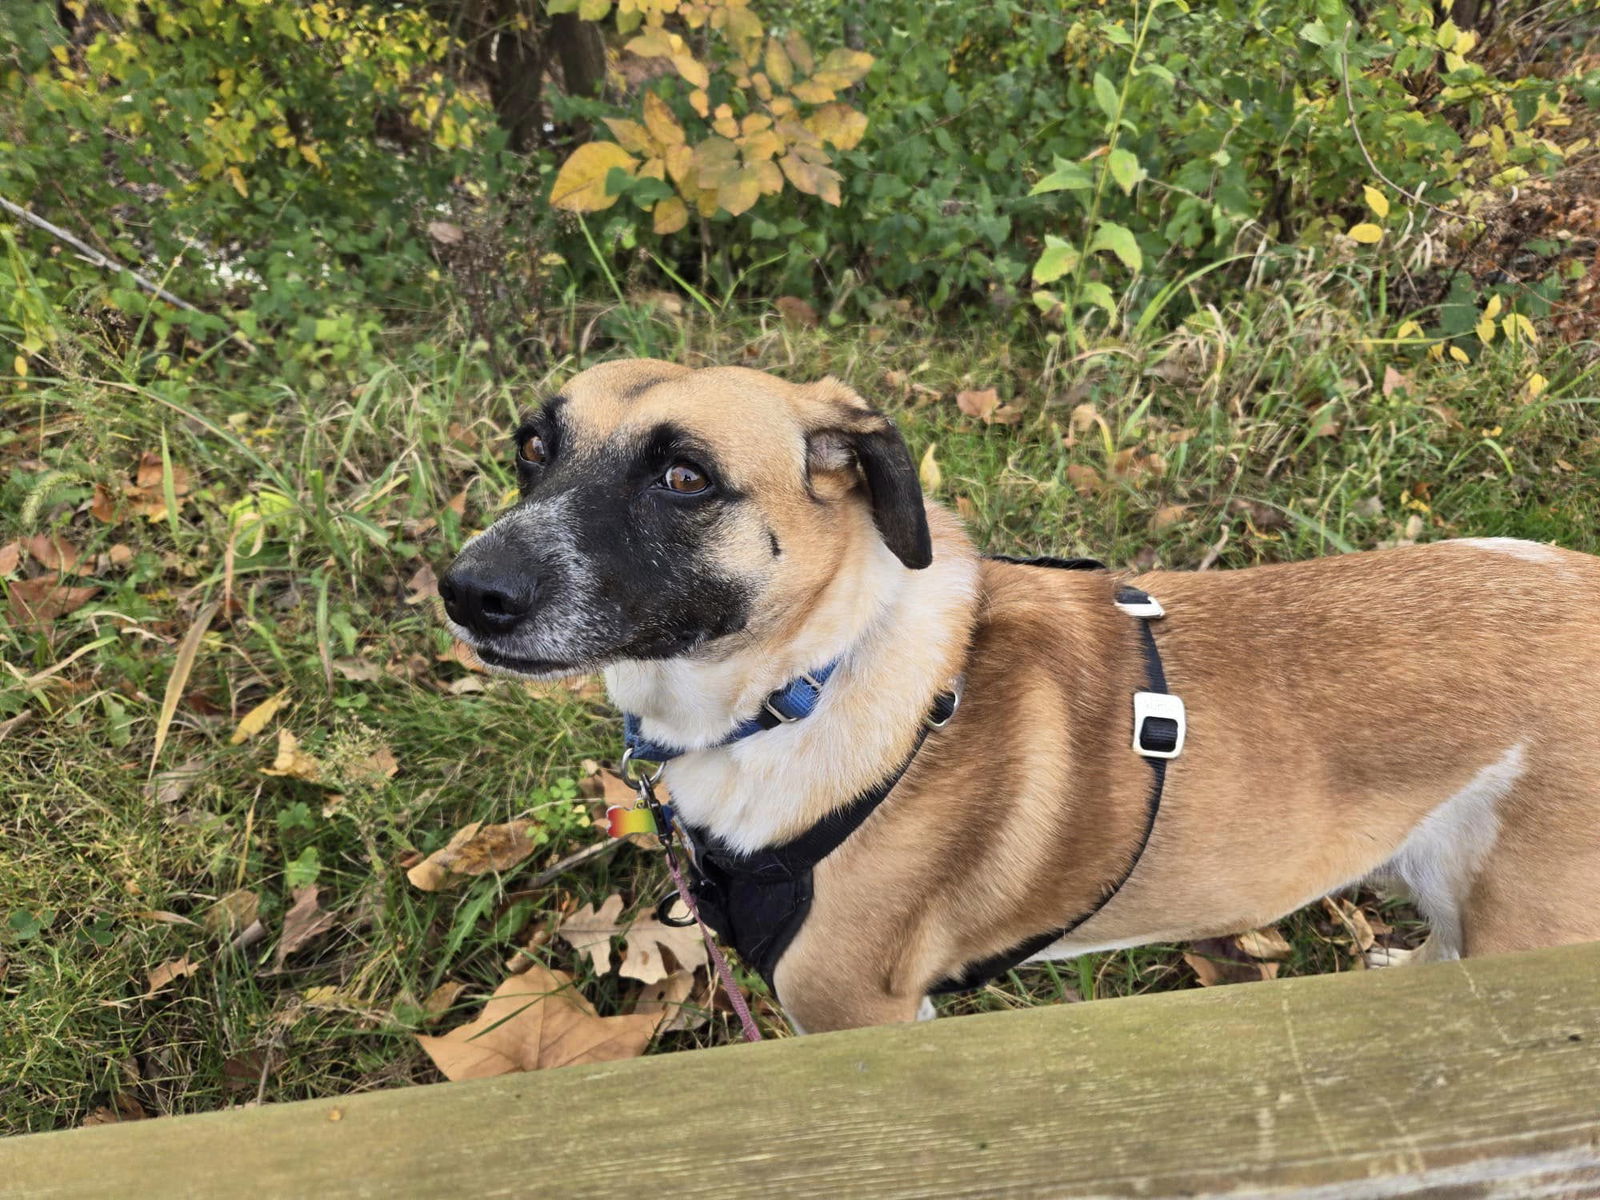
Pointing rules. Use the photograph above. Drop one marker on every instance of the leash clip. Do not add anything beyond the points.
(633, 776)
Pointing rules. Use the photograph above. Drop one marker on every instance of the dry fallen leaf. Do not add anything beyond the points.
(293, 762)
(123, 1107)
(589, 930)
(172, 784)
(796, 311)
(446, 233)
(303, 923)
(36, 602)
(461, 654)
(475, 849)
(647, 938)
(235, 911)
(1220, 960)
(1168, 515)
(148, 491)
(441, 998)
(1265, 943)
(535, 1021)
(980, 404)
(376, 767)
(358, 670)
(422, 586)
(54, 552)
(10, 557)
(680, 1002)
(1085, 480)
(167, 972)
(1353, 920)
(257, 719)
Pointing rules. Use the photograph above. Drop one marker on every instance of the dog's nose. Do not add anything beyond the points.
(484, 604)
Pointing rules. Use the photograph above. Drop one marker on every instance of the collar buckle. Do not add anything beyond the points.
(1159, 724)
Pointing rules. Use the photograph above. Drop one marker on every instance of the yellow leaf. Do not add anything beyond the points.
(1485, 329)
(740, 192)
(680, 161)
(309, 153)
(237, 179)
(779, 69)
(19, 366)
(670, 214)
(581, 183)
(1492, 309)
(1516, 324)
(631, 135)
(1409, 329)
(770, 176)
(659, 121)
(692, 69)
(699, 101)
(812, 92)
(1376, 201)
(1460, 355)
(254, 721)
(293, 762)
(1367, 233)
(929, 473)
(1536, 385)
(812, 178)
(839, 124)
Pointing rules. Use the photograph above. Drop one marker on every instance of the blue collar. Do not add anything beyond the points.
(794, 701)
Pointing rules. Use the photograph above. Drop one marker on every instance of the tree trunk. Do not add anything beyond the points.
(581, 51)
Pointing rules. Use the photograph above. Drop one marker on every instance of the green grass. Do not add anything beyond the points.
(1275, 441)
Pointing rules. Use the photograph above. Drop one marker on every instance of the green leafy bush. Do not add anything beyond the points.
(278, 164)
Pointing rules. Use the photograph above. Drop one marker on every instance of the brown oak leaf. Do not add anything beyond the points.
(534, 1021)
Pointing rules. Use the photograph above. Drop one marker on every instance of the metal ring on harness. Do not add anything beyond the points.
(664, 912)
(633, 777)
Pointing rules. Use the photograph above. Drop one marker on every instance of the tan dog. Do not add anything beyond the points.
(707, 537)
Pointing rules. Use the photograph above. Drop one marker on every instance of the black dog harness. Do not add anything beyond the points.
(757, 901)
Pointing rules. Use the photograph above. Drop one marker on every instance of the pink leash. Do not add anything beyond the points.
(735, 997)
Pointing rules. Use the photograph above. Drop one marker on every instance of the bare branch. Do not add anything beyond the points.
(107, 263)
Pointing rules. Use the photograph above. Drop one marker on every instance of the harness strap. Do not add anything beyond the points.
(1157, 738)
(757, 901)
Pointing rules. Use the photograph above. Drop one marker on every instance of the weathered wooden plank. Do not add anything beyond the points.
(1462, 1079)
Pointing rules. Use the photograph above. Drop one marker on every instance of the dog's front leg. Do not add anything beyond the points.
(816, 1001)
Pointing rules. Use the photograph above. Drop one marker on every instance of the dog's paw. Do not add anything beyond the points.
(1389, 956)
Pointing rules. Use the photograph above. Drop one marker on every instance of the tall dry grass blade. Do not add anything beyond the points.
(187, 650)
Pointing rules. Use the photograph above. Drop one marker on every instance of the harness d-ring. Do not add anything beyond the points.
(664, 912)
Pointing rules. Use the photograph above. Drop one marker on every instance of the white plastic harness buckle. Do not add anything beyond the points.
(1147, 609)
(1160, 706)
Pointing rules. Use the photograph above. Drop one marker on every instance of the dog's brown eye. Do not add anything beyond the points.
(532, 449)
(681, 477)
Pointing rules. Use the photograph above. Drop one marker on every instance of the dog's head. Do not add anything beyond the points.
(664, 509)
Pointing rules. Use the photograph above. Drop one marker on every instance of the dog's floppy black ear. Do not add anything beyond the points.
(870, 441)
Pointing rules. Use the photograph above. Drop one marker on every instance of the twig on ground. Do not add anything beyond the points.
(106, 262)
(578, 857)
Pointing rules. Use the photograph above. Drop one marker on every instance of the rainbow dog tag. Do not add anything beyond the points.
(622, 821)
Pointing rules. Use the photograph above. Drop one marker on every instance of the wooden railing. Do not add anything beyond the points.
(1463, 1079)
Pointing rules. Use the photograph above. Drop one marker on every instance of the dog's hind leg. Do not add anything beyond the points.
(1540, 885)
